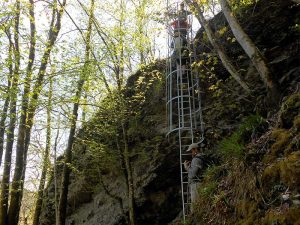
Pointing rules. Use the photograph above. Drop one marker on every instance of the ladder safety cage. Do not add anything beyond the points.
(184, 113)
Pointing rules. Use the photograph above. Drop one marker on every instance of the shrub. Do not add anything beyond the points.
(234, 145)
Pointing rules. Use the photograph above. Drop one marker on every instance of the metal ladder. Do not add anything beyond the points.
(184, 112)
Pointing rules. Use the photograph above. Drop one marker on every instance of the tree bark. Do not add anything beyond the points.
(250, 49)
(131, 202)
(8, 156)
(24, 134)
(46, 160)
(2, 124)
(63, 200)
(218, 47)
(55, 174)
(12, 123)
(7, 99)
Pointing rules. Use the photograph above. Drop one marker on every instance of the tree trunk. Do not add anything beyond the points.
(7, 99)
(8, 156)
(250, 49)
(24, 134)
(66, 170)
(55, 174)
(218, 47)
(12, 123)
(46, 160)
(2, 124)
(131, 202)
(68, 153)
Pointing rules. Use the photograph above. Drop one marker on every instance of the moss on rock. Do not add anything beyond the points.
(289, 109)
(282, 215)
(290, 170)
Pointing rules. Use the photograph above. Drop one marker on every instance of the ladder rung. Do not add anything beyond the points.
(187, 108)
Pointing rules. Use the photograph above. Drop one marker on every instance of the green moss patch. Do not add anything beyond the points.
(289, 109)
(282, 215)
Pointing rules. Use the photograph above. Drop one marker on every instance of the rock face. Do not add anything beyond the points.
(98, 191)
(100, 197)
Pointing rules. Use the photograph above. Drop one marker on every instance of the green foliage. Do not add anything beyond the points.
(238, 5)
(206, 65)
(208, 189)
(234, 145)
(214, 172)
(222, 31)
(209, 186)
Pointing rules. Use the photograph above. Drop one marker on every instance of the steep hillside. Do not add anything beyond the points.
(257, 179)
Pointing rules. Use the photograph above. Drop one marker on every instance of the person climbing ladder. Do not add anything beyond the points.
(180, 23)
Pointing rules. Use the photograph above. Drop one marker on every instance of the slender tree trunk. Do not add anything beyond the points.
(24, 140)
(131, 202)
(46, 160)
(68, 153)
(123, 167)
(120, 80)
(7, 159)
(55, 174)
(2, 124)
(12, 123)
(84, 107)
(218, 47)
(66, 170)
(249, 47)
(140, 23)
(7, 99)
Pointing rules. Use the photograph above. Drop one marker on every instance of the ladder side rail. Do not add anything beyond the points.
(170, 103)
(179, 65)
(181, 177)
(170, 91)
(181, 121)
